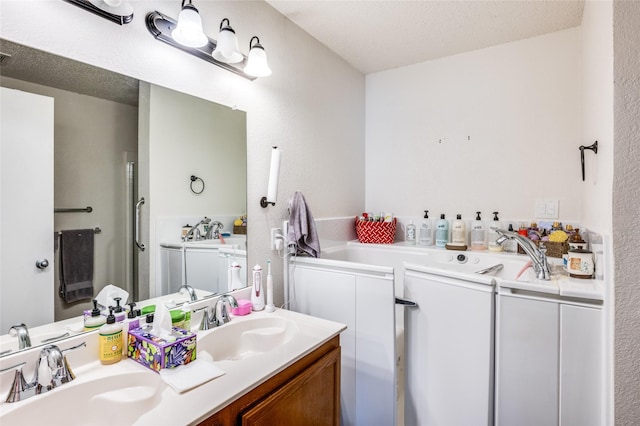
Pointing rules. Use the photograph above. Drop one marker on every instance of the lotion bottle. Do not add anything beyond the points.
(442, 231)
(257, 295)
(478, 234)
(110, 344)
(458, 232)
(426, 234)
(131, 322)
(410, 236)
(493, 235)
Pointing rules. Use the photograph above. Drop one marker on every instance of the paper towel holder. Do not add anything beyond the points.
(272, 189)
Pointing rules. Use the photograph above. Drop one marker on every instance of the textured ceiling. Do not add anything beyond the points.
(380, 35)
(50, 70)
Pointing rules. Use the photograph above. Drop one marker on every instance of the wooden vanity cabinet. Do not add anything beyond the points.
(306, 393)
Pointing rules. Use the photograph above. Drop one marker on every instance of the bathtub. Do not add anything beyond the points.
(357, 284)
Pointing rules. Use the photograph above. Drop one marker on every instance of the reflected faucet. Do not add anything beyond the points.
(21, 331)
(192, 293)
(538, 256)
(220, 314)
(195, 231)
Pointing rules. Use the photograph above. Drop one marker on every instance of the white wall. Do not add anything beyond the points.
(312, 107)
(91, 137)
(519, 103)
(597, 113)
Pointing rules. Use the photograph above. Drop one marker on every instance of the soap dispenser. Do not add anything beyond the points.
(426, 234)
(130, 323)
(94, 320)
(110, 345)
(410, 236)
(478, 234)
(493, 235)
(442, 231)
(458, 235)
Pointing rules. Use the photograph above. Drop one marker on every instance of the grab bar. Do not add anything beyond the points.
(87, 209)
(140, 245)
(96, 230)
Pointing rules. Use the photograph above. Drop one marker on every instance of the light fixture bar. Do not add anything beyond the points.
(160, 26)
(86, 5)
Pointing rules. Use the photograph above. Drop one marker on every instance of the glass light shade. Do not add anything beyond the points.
(116, 7)
(257, 65)
(189, 32)
(227, 50)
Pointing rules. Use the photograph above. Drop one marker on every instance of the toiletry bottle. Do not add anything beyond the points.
(478, 234)
(458, 232)
(410, 236)
(269, 307)
(257, 295)
(118, 311)
(426, 234)
(523, 232)
(442, 231)
(131, 322)
(186, 309)
(510, 246)
(493, 235)
(110, 344)
(236, 281)
(95, 320)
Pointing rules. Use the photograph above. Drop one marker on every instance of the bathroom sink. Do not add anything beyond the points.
(116, 399)
(243, 338)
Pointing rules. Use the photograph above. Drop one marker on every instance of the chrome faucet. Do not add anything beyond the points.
(21, 331)
(52, 371)
(190, 291)
(214, 230)
(195, 231)
(220, 314)
(538, 256)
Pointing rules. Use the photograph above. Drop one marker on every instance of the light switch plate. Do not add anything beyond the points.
(547, 208)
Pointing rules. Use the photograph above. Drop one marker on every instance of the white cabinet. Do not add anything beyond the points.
(548, 362)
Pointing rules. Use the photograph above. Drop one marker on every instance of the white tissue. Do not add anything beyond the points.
(188, 376)
(106, 296)
(161, 326)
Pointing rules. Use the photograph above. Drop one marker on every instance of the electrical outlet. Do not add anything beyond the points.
(276, 238)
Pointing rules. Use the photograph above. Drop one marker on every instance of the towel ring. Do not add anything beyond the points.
(194, 179)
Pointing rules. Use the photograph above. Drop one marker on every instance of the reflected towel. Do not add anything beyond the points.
(76, 265)
(302, 227)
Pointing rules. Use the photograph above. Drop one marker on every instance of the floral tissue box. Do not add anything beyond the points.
(157, 353)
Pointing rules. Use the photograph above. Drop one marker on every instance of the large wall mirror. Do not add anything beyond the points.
(148, 162)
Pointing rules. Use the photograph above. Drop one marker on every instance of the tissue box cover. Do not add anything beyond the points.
(156, 353)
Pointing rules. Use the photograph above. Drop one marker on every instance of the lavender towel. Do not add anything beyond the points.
(76, 265)
(302, 227)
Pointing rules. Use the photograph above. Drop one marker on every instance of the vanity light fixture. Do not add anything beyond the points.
(227, 50)
(257, 64)
(162, 28)
(189, 32)
(118, 11)
(274, 171)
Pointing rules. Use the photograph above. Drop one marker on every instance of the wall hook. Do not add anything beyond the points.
(593, 147)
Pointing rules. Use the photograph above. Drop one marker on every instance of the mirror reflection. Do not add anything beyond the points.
(126, 165)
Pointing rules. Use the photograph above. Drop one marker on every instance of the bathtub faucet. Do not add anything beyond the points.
(214, 230)
(195, 231)
(538, 256)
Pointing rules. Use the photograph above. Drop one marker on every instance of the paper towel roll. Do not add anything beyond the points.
(272, 191)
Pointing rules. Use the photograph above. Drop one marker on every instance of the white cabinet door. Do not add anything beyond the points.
(449, 349)
(527, 362)
(26, 201)
(581, 398)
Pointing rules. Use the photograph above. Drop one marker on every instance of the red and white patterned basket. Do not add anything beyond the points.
(376, 232)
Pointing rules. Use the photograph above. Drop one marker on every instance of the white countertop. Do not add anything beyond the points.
(171, 407)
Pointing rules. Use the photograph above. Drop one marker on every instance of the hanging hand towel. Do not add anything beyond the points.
(302, 227)
(76, 265)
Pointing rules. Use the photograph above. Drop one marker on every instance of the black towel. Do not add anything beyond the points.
(76, 265)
